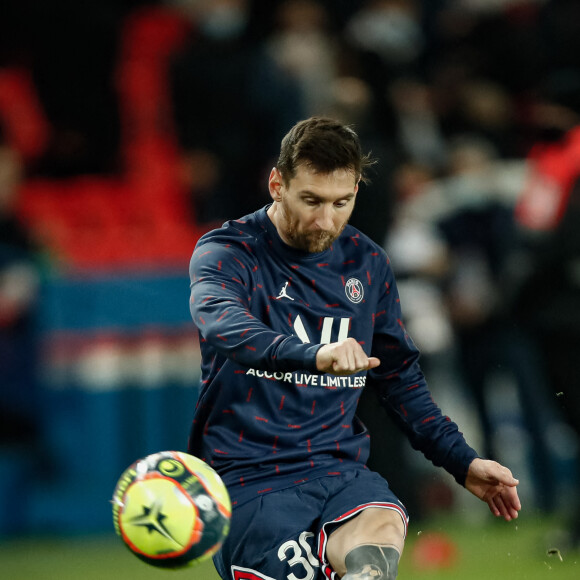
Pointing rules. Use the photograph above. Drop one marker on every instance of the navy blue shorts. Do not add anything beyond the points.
(283, 534)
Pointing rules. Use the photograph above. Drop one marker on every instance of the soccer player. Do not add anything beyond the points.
(297, 312)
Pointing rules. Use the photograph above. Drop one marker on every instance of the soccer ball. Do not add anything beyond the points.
(171, 509)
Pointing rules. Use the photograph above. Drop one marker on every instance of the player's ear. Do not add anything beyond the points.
(275, 184)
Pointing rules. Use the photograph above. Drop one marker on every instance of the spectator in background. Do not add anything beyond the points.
(421, 258)
(389, 32)
(419, 133)
(383, 42)
(353, 102)
(548, 214)
(454, 240)
(19, 286)
(227, 95)
(303, 47)
(482, 59)
(478, 228)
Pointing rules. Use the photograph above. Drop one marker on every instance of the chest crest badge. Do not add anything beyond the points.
(354, 290)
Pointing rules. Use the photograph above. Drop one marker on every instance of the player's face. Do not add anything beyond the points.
(311, 210)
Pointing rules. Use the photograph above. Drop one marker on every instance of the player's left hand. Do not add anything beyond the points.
(494, 484)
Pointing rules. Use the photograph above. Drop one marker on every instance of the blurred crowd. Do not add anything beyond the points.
(472, 108)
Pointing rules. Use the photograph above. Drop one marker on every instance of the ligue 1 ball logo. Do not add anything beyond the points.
(354, 290)
(171, 509)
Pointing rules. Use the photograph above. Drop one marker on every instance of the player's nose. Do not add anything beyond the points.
(323, 219)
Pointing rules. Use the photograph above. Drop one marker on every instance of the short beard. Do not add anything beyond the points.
(314, 242)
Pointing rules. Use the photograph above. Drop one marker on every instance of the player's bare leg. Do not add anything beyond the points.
(368, 547)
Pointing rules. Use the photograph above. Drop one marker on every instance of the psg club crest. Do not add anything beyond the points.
(354, 290)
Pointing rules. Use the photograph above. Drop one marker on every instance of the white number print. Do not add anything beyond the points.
(309, 563)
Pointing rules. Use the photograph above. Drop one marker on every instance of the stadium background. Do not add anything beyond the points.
(94, 99)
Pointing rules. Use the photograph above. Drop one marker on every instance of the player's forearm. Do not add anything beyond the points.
(428, 430)
(234, 332)
(403, 391)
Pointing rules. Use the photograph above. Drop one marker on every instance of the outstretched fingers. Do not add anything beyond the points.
(494, 484)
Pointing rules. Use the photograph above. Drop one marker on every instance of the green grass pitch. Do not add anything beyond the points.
(437, 549)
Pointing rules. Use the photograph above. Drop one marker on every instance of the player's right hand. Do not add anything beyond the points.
(494, 484)
(344, 358)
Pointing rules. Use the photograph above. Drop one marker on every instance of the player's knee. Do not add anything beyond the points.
(372, 562)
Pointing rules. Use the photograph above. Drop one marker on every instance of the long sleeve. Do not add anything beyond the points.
(403, 391)
(224, 278)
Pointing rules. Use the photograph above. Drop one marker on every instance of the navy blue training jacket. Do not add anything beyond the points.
(266, 418)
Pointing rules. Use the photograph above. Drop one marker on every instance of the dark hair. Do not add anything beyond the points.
(323, 145)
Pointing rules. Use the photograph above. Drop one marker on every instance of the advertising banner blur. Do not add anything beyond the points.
(118, 375)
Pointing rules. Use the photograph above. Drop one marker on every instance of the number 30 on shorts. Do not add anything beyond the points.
(300, 557)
